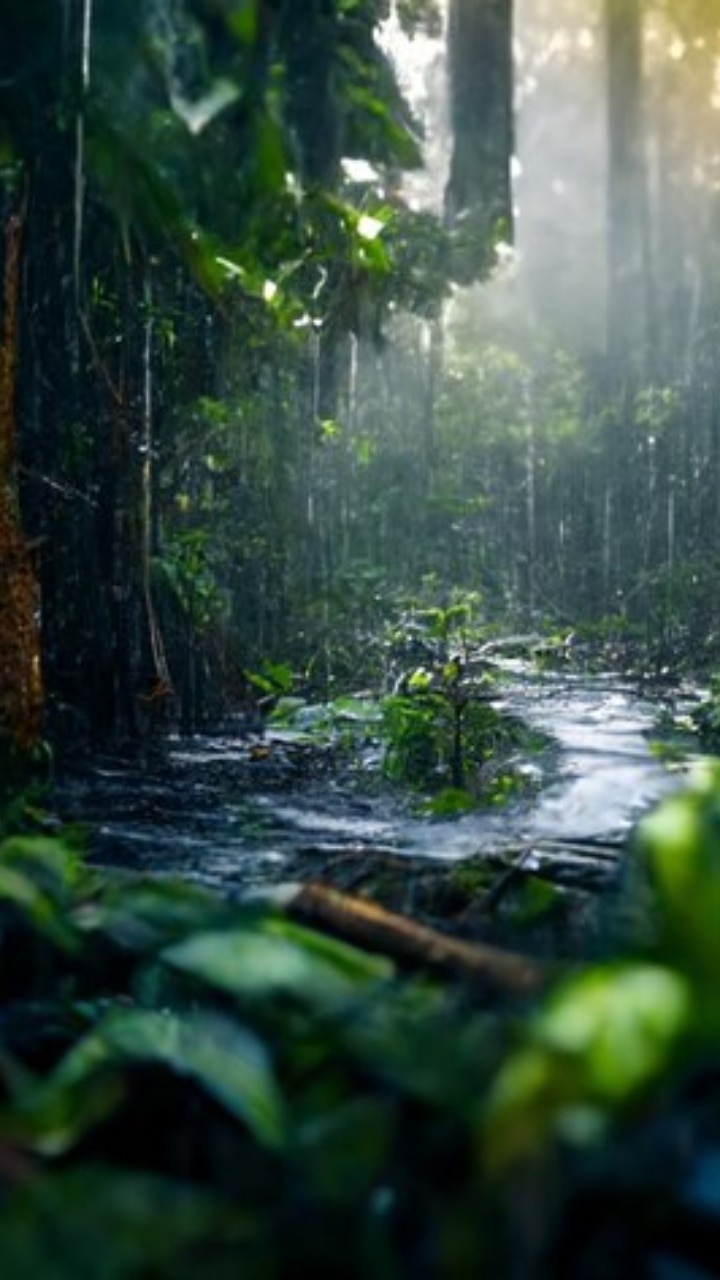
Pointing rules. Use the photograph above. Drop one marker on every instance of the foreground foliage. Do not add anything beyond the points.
(189, 1086)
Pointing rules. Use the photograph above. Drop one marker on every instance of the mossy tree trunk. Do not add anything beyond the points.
(21, 693)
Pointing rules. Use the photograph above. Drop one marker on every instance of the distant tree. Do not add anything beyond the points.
(627, 246)
(478, 196)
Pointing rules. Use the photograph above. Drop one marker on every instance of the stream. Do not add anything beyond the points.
(241, 813)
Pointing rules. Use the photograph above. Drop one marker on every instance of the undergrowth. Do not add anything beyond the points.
(189, 1087)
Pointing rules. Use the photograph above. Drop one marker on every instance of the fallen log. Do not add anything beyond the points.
(367, 925)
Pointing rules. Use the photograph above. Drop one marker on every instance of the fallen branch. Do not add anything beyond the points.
(367, 925)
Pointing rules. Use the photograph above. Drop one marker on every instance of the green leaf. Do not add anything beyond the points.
(622, 1020)
(355, 965)
(144, 915)
(602, 1037)
(51, 1116)
(242, 20)
(273, 677)
(50, 861)
(226, 1060)
(39, 905)
(680, 845)
(101, 1222)
(448, 803)
(279, 959)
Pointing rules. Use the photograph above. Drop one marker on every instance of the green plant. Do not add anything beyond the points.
(441, 730)
(207, 1082)
(188, 1082)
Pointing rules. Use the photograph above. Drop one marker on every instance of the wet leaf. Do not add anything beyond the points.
(37, 906)
(145, 915)
(680, 844)
(602, 1037)
(622, 1020)
(280, 960)
(51, 862)
(226, 1060)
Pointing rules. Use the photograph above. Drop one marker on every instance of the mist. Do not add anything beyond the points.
(569, 398)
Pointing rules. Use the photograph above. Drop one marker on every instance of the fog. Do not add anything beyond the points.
(578, 382)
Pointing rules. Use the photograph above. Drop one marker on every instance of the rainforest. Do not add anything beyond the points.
(359, 639)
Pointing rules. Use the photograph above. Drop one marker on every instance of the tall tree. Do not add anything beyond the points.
(478, 196)
(627, 276)
(198, 145)
(21, 698)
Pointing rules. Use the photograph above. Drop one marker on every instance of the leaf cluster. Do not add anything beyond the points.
(188, 1082)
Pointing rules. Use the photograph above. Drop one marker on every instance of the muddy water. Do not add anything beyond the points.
(237, 813)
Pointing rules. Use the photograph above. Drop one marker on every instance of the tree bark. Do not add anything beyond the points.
(21, 693)
(478, 197)
(626, 192)
(368, 925)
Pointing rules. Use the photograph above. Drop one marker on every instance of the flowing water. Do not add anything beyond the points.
(237, 812)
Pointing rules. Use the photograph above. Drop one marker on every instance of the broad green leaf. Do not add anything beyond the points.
(226, 1060)
(280, 960)
(39, 908)
(622, 1020)
(52, 1115)
(355, 964)
(413, 1040)
(273, 677)
(602, 1037)
(49, 860)
(680, 844)
(146, 914)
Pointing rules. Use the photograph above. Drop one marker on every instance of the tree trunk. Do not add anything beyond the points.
(478, 195)
(626, 193)
(21, 694)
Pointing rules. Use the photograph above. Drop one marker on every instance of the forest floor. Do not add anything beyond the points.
(257, 816)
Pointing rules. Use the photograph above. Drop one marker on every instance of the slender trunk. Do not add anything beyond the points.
(161, 689)
(21, 694)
